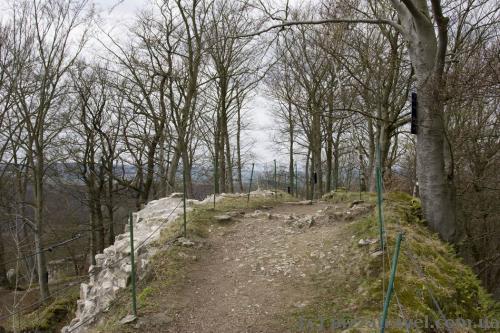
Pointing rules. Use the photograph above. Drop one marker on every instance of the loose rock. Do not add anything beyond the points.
(127, 319)
(222, 218)
(368, 241)
(182, 241)
(356, 202)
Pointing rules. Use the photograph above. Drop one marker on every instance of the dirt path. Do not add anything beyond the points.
(255, 271)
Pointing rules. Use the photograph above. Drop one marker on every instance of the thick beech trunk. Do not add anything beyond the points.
(427, 54)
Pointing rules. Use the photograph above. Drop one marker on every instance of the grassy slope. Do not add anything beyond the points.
(454, 286)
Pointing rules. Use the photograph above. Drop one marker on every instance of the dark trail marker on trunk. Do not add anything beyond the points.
(414, 116)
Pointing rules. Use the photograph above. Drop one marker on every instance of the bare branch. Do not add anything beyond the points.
(325, 21)
(414, 11)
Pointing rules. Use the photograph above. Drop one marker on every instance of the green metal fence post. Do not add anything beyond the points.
(250, 186)
(390, 287)
(132, 262)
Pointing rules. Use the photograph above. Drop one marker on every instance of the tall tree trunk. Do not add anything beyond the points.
(172, 172)
(225, 146)
(307, 175)
(22, 179)
(229, 163)
(186, 169)
(222, 161)
(428, 56)
(291, 172)
(316, 172)
(329, 144)
(110, 211)
(361, 175)
(382, 139)
(224, 149)
(92, 232)
(371, 156)
(150, 168)
(3, 272)
(329, 161)
(336, 166)
(91, 193)
(238, 147)
(139, 184)
(101, 234)
(162, 170)
(39, 220)
(216, 157)
(435, 185)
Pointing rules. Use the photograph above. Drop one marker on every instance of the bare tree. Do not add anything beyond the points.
(427, 51)
(233, 67)
(42, 31)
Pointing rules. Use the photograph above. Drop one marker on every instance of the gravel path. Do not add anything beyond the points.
(253, 272)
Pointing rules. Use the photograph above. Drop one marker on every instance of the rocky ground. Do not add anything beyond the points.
(255, 269)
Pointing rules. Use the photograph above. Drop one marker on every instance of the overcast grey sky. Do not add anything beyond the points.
(117, 14)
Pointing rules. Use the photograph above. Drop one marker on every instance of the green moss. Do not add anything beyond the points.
(51, 316)
(144, 295)
(407, 208)
(452, 284)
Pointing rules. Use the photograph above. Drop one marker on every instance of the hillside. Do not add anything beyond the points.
(280, 267)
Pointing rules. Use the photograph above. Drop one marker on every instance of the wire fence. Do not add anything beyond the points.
(272, 175)
(295, 178)
(62, 291)
(386, 255)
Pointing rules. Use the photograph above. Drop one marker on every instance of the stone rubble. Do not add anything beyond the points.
(112, 270)
(277, 256)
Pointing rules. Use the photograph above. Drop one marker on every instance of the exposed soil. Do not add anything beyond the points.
(253, 272)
